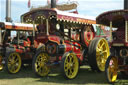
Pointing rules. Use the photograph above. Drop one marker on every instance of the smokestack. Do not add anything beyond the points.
(8, 11)
(53, 3)
(125, 4)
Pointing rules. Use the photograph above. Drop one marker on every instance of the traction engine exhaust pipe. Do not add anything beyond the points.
(8, 11)
(53, 3)
(125, 4)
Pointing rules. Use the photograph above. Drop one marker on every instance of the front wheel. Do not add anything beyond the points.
(13, 62)
(111, 69)
(69, 65)
(39, 64)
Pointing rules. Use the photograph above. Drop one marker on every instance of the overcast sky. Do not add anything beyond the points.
(85, 7)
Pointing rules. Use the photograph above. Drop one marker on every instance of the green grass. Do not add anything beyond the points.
(27, 77)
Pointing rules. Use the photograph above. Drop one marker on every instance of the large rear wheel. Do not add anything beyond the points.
(98, 54)
(69, 65)
(39, 64)
(13, 62)
(111, 69)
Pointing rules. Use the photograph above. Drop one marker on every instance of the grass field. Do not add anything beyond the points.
(27, 77)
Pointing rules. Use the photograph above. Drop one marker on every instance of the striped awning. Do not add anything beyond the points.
(117, 17)
(17, 26)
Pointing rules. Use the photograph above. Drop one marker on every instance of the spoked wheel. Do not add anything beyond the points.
(98, 54)
(69, 65)
(111, 69)
(1, 65)
(87, 34)
(39, 64)
(13, 62)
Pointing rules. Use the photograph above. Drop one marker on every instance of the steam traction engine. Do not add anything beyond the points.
(66, 39)
(18, 50)
(118, 60)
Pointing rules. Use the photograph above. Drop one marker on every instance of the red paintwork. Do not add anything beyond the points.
(126, 44)
(25, 48)
(27, 43)
(70, 46)
(75, 36)
(88, 34)
(76, 49)
(54, 38)
(43, 38)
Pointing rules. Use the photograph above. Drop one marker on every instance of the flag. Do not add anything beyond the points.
(29, 3)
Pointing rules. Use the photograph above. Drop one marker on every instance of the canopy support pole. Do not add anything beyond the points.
(33, 29)
(110, 31)
(18, 37)
(126, 31)
(33, 34)
(47, 27)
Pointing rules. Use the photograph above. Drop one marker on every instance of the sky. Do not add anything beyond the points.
(85, 7)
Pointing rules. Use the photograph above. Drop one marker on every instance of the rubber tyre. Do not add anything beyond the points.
(111, 79)
(92, 58)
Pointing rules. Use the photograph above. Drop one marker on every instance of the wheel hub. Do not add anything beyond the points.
(42, 64)
(71, 65)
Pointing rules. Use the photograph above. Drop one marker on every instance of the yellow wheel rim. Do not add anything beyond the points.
(102, 53)
(71, 65)
(1, 65)
(112, 70)
(40, 65)
(14, 63)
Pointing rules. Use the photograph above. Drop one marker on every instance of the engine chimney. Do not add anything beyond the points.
(125, 4)
(8, 11)
(53, 3)
(8, 18)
